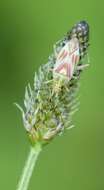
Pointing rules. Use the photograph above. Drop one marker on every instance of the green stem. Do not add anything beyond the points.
(28, 169)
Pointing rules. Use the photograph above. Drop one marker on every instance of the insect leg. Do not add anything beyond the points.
(81, 67)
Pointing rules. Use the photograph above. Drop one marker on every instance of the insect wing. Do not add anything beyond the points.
(67, 58)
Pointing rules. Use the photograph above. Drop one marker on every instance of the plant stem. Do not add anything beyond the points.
(29, 166)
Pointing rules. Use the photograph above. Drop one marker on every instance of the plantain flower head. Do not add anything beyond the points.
(50, 104)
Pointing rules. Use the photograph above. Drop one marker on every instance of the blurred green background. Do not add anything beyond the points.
(28, 30)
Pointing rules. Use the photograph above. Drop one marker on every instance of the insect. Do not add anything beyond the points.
(72, 51)
(67, 58)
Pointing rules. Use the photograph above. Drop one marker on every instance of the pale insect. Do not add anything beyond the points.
(67, 59)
